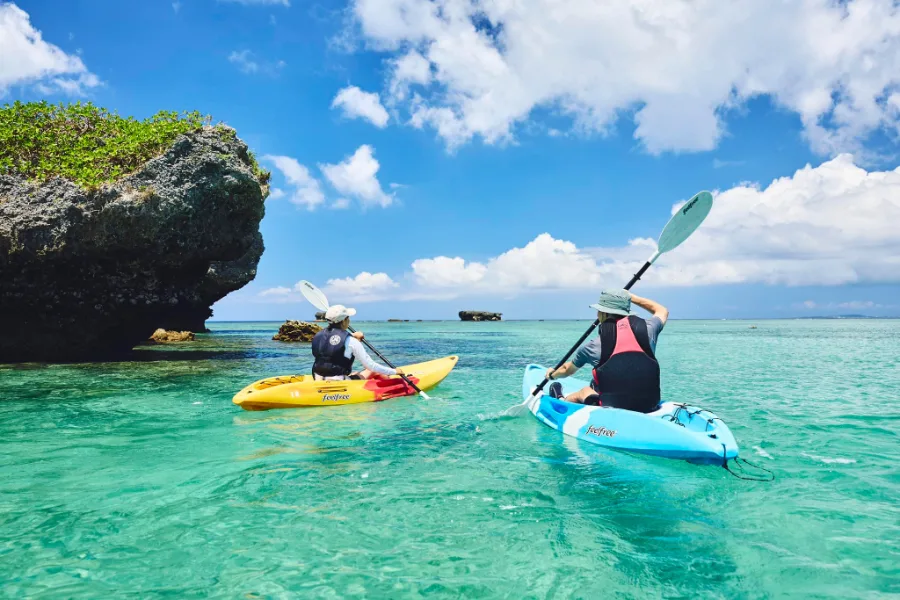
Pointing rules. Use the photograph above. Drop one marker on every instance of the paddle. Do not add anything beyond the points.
(679, 228)
(318, 299)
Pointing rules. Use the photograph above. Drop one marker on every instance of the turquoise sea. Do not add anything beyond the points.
(142, 479)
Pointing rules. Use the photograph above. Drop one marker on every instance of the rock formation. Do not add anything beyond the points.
(163, 336)
(297, 331)
(478, 315)
(320, 315)
(90, 273)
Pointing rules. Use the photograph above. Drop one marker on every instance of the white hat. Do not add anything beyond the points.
(338, 313)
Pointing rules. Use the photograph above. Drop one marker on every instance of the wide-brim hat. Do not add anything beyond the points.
(614, 302)
(338, 313)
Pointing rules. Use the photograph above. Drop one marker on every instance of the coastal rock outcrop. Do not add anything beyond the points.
(90, 272)
(478, 315)
(296, 331)
(320, 315)
(162, 336)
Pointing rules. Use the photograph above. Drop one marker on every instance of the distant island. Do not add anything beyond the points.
(478, 315)
(845, 317)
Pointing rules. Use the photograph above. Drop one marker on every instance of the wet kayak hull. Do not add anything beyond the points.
(675, 430)
(297, 391)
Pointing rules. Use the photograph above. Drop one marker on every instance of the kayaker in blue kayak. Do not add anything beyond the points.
(625, 370)
(335, 349)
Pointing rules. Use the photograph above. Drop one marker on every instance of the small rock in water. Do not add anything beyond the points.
(479, 315)
(161, 336)
(297, 331)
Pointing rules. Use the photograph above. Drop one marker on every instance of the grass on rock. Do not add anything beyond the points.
(87, 144)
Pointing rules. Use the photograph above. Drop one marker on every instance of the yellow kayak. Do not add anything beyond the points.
(294, 391)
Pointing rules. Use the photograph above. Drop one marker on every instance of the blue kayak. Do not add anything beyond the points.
(674, 430)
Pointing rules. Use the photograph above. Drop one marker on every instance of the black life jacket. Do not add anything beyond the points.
(627, 374)
(328, 349)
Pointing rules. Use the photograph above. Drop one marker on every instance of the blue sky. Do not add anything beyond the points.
(507, 160)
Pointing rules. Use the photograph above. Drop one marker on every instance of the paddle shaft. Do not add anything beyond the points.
(596, 322)
(386, 361)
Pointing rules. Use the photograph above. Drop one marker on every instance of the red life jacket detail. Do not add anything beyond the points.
(625, 339)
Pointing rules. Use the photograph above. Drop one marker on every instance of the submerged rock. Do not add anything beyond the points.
(297, 331)
(162, 336)
(478, 315)
(91, 273)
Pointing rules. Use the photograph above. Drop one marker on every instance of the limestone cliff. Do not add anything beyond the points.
(91, 272)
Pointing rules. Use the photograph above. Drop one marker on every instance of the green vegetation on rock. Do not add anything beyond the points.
(85, 143)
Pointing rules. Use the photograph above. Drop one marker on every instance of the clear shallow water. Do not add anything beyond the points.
(143, 478)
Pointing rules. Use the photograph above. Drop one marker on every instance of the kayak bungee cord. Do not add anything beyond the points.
(752, 477)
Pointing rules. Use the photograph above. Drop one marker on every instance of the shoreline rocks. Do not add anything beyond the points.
(296, 331)
(90, 274)
(478, 315)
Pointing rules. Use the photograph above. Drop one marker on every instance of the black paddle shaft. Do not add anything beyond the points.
(386, 361)
(596, 322)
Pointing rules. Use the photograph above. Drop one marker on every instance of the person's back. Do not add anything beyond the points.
(625, 372)
(335, 348)
(328, 348)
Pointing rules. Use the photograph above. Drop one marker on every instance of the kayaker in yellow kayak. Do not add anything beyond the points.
(625, 370)
(335, 349)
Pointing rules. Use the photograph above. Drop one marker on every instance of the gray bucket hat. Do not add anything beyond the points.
(614, 302)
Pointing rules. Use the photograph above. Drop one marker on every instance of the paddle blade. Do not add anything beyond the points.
(684, 222)
(314, 295)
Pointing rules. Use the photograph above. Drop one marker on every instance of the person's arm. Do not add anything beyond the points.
(362, 356)
(659, 311)
(588, 354)
(564, 371)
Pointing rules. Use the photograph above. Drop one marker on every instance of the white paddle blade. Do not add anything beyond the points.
(314, 295)
(684, 222)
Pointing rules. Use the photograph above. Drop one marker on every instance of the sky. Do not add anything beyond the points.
(518, 157)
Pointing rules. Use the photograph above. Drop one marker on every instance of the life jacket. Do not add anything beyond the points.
(328, 349)
(627, 374)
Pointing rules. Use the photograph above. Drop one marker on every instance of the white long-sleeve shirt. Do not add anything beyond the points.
(354, 348)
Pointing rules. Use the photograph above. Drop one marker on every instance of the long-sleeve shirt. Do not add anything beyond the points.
(354, 347)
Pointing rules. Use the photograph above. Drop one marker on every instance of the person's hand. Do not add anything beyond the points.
(549, 374)
(358, 335)
(400, 371)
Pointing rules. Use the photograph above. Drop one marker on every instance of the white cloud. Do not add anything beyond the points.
(411, 68)
(356, 176)
(850, 305)
(676, 66)
(443, 271)
(833, 224)
(365, 287)
(358, 104)
(275, 194)
(276, 291)
(340, 204)
(306, 191)
(543, 263)
(829, 225)
(246, 63)
(26, 59)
